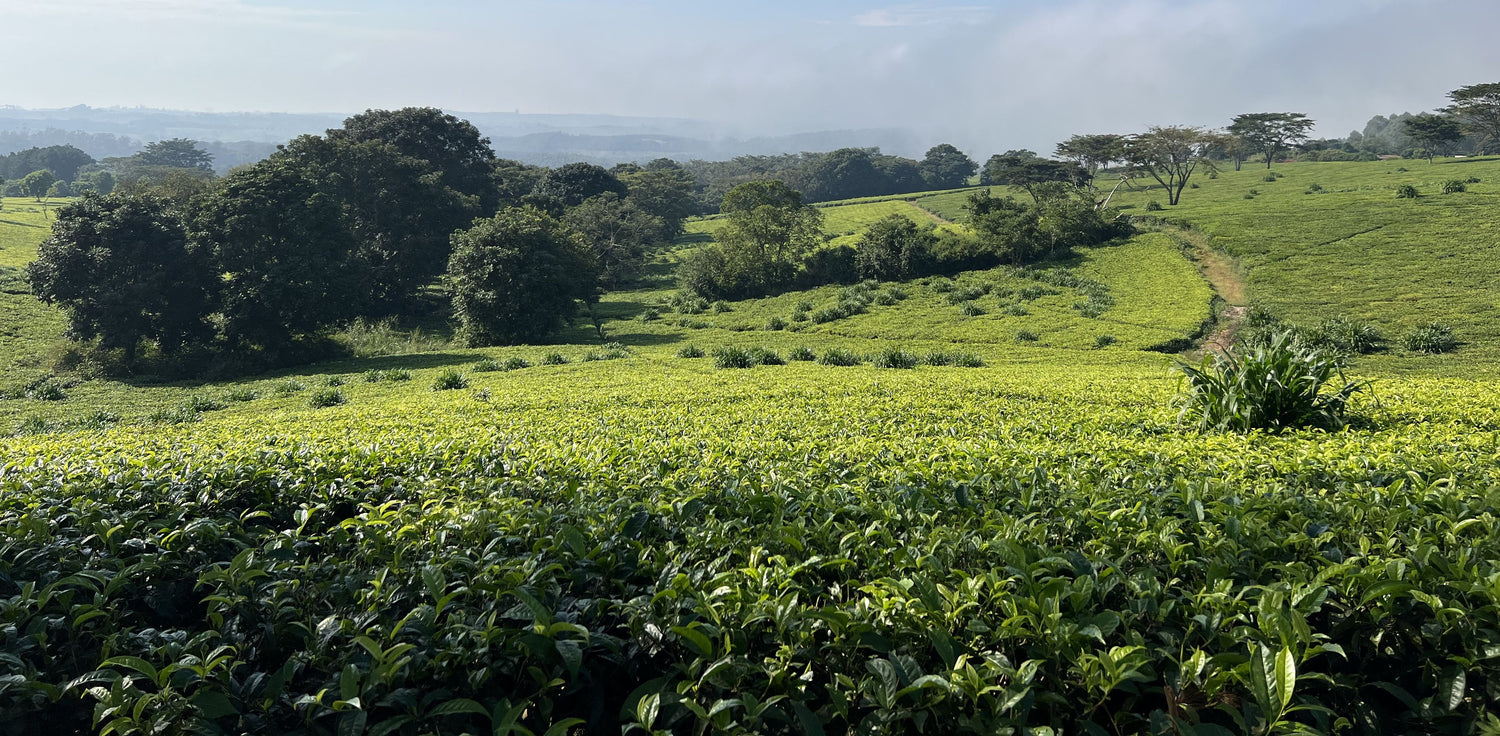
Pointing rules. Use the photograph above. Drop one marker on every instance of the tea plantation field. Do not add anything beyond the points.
(1017, 535)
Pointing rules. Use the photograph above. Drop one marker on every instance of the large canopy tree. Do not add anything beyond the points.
(1172, 154)
(281, 246)
(517, 276)
(123, 270)
(1270, 133)
(1433, 133)
(1477, 107)
(452, 146)
(1092, 152)
(946, 167)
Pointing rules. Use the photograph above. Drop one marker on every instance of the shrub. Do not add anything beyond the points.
(937, 358)
(333, 381)
(1271, 177)
(326, 397)
(1027, 336)
(732, 357)
(688, 303)
(720, 307)
(897, 293)
(373, 376)
(1015, 310)
(203, 404)
(967, 360)
(970, 309)
(942, 286)
(241, 395)
(839, 357)
(1154, 206)
(690, 351)
(289, 387)
(884, 299)
(1472, 180)
(776, 323)
(1454, 186)
(1035, 291)
(516, 362)
(649, 314)
(1348, 336)
(450, 379)
(1249, 196)
(1103, 341)
(397, 374)
(895, 358)
(99, 419)
(554, 359)
(1279, 385)
(1430, 338)
(803, 306)
(763, 356)
(180, 415)
(485, 365)
(801, 353)
(827, 314)
(1406, 191)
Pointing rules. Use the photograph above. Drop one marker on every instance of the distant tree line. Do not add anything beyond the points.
(358, 223)
(845, 173)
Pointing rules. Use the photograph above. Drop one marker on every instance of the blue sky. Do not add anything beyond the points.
(987, 75)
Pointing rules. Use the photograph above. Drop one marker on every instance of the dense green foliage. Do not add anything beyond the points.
(517, 276)
(123, 271)
(1275, 385)
(879, 555)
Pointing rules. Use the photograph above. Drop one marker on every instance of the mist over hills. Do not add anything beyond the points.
(236, 138)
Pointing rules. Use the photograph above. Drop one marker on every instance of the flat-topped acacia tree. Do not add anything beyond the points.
(1172, 154)
(1270, 133)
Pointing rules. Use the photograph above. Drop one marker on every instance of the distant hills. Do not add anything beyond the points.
(236, 138)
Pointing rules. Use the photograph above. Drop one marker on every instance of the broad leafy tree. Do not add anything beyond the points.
(946, 167)
(37, 183)
(281, 247)
(177, 153)
(396, 208)
(517, 276)
(618, 231)
(452, 146)
(763, 245)
(124, 271)
(1434, 133)
(568, 186)
(1270, 133)
(63, 161)
(1092, 152)
(894, 248)
(1477, 107)
(1172, 154)
(666, 193)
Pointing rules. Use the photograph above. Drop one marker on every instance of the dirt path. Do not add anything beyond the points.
(1224, 276)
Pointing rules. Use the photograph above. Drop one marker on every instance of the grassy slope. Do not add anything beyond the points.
(28, 329)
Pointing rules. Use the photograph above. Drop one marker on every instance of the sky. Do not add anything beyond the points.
(987, 75)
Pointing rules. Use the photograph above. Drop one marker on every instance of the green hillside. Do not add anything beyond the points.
(463, 540)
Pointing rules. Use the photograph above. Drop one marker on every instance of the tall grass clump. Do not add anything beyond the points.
(1280, 384)
(839, 357)
(733, 357)
(450, 379)
(1431, 338)
(896, 358)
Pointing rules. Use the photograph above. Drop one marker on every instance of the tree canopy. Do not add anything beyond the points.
(1477, 107)
(946, 167)
(1171, 154)
(453, 147)
(1434, 133)
(1270, 133)
(517, 276)
(1093, 152)
(177, 153)
(123, 270)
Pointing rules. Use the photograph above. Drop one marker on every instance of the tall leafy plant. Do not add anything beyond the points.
(1276, 385)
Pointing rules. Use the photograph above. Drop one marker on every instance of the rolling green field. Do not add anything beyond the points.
(611, 536)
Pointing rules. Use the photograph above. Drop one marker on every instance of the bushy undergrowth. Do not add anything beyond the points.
(450, 379)
(1277, 385)
(1430, 338)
